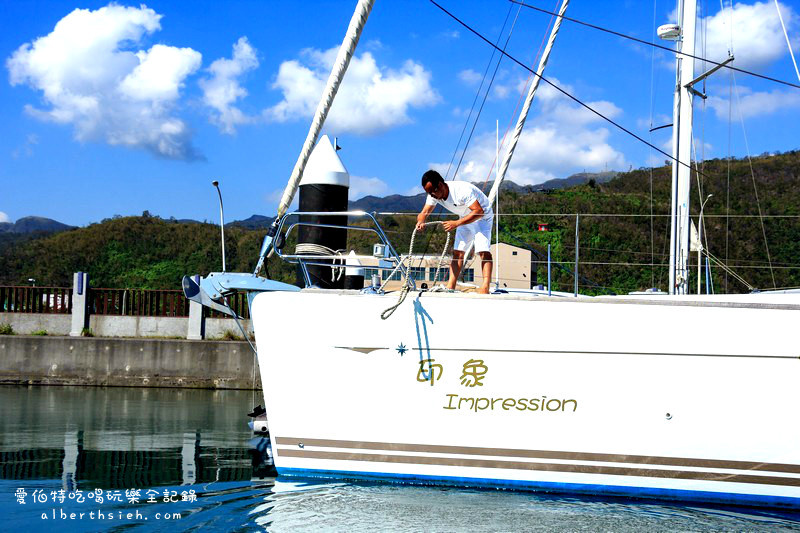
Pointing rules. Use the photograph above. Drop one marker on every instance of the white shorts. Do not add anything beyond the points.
(479, 231)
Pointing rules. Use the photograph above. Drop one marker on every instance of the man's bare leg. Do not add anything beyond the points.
(455, 268)
(486, 267)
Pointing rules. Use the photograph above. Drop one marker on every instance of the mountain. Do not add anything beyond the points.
(396, 203)
(33, 225)
(254, 222)
(624, 234)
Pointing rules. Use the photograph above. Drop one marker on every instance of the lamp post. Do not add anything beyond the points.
(32, 281)
(215, 183)
(700, 238)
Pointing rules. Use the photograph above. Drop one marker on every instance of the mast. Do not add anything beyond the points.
(527, 106)
(681, 150)
(346, 51)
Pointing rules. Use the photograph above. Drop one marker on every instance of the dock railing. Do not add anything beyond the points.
(24, 299)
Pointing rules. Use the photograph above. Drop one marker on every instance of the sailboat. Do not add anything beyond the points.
(605, 395)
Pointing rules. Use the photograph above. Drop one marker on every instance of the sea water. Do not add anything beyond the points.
(108, 459)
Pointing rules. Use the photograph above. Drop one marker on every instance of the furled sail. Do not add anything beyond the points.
(334, 80)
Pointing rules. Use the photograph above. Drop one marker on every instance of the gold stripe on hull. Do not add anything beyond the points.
(298, 450)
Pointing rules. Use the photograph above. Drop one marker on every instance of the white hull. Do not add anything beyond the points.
(707, 411)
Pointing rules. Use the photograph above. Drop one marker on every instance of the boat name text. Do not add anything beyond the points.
(456, 402)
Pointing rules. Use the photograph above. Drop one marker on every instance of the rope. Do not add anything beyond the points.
(406, 272)
(321, 250)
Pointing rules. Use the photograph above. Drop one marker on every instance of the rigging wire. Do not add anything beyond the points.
(650, 154)
(730, 157)
(788, 43)
(753, 177)
(480, 87)
(618, 34)
(486, 95)
(559, 89)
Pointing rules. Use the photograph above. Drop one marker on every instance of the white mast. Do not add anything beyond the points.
(527, 106)
(681, 150)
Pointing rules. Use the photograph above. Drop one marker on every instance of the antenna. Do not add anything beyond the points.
(215, 183)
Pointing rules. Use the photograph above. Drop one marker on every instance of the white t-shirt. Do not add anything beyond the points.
(462, 195)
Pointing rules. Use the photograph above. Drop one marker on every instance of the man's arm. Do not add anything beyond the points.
(476, 213)
(423, 215)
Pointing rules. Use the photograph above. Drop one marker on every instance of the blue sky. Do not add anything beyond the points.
(119, 108)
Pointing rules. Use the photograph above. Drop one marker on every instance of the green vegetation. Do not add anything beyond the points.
(622, 247)
(6, 329)
(40, 332)
(87, 332)
(229, 335)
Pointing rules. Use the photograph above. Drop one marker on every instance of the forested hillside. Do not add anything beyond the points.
(622, 247)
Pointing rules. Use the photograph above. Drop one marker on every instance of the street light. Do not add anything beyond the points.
(700, 238)
(32, 281)
(215, 183)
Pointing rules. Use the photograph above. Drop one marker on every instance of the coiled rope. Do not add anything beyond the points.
(309, 248)
(406, 272)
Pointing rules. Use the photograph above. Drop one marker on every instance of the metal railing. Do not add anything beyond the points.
(138, 302)
(23, 299)
(304, 260)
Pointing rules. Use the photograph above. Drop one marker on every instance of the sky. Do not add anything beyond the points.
(117, 108)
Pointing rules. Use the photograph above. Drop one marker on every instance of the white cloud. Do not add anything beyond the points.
(469, 76)
(26, 150)
(757, 35)
(371, 99)
(560, 140)
(360, 187)
(4, 217)
(222, 89)
(755, 104)
(91, 78)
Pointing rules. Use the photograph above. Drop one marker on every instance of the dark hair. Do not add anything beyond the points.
(433, 177)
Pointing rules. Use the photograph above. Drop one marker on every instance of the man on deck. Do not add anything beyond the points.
(474, 225)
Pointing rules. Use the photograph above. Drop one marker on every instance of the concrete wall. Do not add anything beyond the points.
(216, 327)
(137, 326)
(27, 323)
(121, 326)
(41, 360)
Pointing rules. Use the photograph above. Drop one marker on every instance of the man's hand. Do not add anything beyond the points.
(420, 226)
(450, 225)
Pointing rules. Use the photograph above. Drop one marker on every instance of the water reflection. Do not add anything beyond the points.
(69, 438)
(123, 438)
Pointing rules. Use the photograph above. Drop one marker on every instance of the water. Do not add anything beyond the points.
(90, 441)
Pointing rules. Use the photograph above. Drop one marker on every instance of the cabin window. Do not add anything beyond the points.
(469, 274)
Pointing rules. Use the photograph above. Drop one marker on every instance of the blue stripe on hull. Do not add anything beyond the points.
(562, 488)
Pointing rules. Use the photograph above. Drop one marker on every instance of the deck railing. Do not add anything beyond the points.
(23, 299)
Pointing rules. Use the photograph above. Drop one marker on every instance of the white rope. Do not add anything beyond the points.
(527, 106)
(346, 52)
(319, 251)
(406, 273)
(788, 43)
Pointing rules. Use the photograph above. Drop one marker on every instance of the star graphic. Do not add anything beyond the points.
(402, 349)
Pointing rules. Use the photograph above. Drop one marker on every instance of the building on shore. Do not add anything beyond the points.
(512, 270)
